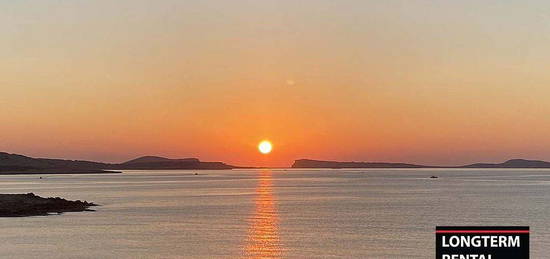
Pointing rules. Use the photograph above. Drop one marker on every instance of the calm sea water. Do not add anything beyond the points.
(382, 213)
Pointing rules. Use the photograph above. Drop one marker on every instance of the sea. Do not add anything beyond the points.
(273, 213)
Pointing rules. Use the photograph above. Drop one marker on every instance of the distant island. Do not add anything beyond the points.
(155, 163)
(309, 163)
(19, 164)
(513, 163)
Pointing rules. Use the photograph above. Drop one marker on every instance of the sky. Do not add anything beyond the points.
(429, 82)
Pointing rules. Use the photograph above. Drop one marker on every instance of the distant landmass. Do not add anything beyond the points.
(155, 162)
(19, 164)
(308, 163)
(513, 163)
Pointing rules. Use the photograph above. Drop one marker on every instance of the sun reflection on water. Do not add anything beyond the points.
(263, 234)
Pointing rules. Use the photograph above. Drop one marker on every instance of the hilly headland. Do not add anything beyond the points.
(512, 163)
(20, 164)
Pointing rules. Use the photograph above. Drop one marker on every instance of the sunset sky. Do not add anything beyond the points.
(430, 82)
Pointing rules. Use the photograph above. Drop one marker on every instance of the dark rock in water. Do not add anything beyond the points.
(20, 205)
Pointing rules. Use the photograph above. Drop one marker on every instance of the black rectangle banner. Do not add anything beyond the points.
(476, 242)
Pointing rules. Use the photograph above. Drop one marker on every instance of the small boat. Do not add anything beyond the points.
(433, 177)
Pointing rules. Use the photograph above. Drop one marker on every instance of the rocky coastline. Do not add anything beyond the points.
(21, 205)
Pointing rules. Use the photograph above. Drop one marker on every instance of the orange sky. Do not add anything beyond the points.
(412, 81)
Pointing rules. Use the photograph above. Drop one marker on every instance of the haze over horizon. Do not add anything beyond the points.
(448, 83)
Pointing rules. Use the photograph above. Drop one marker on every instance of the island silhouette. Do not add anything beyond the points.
(20, 164)
(512, 163)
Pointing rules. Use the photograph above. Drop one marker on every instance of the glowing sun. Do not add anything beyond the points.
(265, 147)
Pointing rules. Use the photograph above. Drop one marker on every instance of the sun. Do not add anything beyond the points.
(265, 147)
